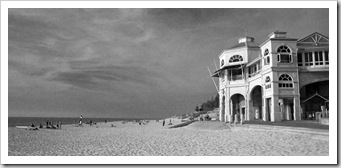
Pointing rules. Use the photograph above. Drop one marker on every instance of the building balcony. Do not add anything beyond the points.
(254, 74)
(235, 77)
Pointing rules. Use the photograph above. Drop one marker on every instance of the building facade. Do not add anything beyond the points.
(281, 79)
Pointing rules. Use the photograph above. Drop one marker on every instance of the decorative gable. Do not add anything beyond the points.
(315, 39)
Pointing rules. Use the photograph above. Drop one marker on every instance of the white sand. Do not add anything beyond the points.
(199, 138)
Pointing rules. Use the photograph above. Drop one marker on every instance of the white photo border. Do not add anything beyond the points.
(331, 159)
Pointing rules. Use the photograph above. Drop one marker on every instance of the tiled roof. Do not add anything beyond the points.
(216, 73)
(244, 44)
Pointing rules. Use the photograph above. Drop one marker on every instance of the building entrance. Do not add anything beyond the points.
(286, 107)
(238, 105)
(255, 104)
(313, 96)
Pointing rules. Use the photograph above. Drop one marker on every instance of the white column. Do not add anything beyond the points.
(275, 114)
(264, 109)
(324, 59)
(313, 58)
(303, 58)
(221, 106)
(297, 114)
(227, 104)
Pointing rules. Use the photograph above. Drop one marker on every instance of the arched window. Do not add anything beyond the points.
(284, 54)
(267, 82)
(285, 81)
(267, 79)
(283, 49)
(236, 58)
(266, 57)
(266, 52)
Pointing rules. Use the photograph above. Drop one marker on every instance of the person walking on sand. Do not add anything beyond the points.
(163, 123)
(80, 120)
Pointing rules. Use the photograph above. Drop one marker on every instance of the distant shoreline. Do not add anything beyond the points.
(26, 121)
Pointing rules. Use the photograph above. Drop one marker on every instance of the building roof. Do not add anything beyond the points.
(216, 73)
(244, 44)
(314, 38)
(254, 61)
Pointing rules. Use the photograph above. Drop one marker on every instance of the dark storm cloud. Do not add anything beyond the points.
(27, 69)
(183, 17)
(98, 78)
(37, 40)
(32, 30)
(130, 30)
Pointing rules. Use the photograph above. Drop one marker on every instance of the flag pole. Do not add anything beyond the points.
(213, 79)
(215, 65)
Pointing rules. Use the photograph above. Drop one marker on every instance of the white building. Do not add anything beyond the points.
(280, 79)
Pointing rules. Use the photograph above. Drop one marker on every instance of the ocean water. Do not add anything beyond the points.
(26, 121)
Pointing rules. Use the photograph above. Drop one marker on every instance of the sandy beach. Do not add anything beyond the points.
(152, 139)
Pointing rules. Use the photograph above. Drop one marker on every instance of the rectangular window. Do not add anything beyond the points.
(267, 60)
(326, 57)
(311, 58)
(284, 58)
(299, 59)
(236, 74)
(318, 58)
(308, 58)
(285, 85)
(268, 86)
(253, 70)
(250, 71)
(321, 57)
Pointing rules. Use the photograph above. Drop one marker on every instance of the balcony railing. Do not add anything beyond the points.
(254, 74)
(235, 77)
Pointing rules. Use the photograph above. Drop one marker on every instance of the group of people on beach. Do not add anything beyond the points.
(49, 125)
(142, 122)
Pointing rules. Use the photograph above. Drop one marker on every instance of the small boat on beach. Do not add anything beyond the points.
(27, 127)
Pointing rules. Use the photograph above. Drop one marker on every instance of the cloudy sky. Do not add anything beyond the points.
(130, 62)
